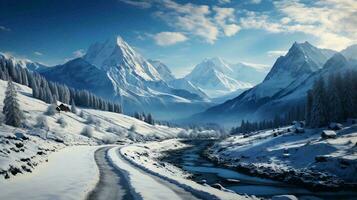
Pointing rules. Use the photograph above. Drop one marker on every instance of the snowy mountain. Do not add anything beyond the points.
(164, 71)
(216, 77)
(182, 83)
(114, 70)
(24, 63)
(80, 74)
(350, 52)
(286, 84)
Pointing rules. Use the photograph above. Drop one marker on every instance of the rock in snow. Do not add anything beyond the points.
(326, 134)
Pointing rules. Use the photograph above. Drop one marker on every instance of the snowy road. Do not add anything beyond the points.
(121, 180)
(112, 183)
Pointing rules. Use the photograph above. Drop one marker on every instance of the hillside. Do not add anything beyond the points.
(107, 127)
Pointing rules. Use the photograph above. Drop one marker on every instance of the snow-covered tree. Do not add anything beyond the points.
(73, 107)
(51, 110)
(11, 109)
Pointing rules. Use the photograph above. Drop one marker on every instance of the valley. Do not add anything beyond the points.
(178, 100)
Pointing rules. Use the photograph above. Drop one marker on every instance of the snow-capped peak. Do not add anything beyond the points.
(116, 53)
(216, 77)
(302, 58)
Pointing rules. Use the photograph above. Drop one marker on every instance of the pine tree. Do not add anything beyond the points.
(334, 101)
(319, 114)
(309, 101)
(11, 109)
(73, 107)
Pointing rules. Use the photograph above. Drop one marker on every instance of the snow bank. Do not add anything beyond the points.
(69, 174)
(145, 157)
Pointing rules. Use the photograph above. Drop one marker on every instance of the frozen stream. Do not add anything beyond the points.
(191, 160)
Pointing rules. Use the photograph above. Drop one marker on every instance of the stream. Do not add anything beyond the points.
(191, 160)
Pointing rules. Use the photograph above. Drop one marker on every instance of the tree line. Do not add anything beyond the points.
(332, 100)
(295, 113)
(145, 117)
(51, 92)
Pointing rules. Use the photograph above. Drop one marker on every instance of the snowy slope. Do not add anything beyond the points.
(163, 70)
(279, 151)
(184, 84)
(115, 71)
(108, 127)
(216, 77)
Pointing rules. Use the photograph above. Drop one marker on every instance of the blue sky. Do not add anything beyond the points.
(179, 33)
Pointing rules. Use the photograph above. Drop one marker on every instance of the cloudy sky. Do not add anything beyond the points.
(179, 33)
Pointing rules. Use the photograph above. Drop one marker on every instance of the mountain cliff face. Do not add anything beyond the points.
(285, 85)
(116, 71)
(163, 70)
(217, 78)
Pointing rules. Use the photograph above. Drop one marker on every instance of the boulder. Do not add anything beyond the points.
(326, 134)
(217, 186)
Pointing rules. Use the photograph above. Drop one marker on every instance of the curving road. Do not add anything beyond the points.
(113, 182)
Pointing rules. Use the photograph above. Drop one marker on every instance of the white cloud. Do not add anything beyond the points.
(190, 18)
(201, 21)
(169, 38)
(332, 22)
(224, 1)
(140, 4)
(255, 1)
(37, 53)
(3, 28)
(225, 18)
(254, 20)
(78, 53)
(276, 53)
(193, 20)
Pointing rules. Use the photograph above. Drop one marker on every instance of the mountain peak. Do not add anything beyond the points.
(350, 52)
(116, 54)
(302, 59)
(336, 61)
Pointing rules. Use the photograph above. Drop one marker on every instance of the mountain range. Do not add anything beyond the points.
(217, 77)
(114, 70)
(286, 85)
(217, 90)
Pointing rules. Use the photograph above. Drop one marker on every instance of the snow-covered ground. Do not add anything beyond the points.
(69, 174)
(22, 149)
(146, 157)
(57, 161)
(294, 157)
